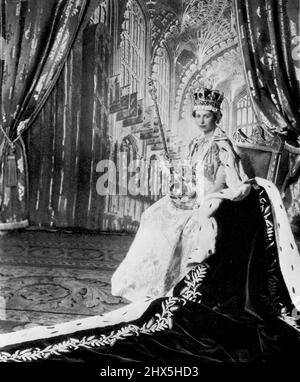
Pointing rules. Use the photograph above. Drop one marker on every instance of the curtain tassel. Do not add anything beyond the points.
(12, 177)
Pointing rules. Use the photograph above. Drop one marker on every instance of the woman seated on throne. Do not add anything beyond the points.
(177, 233)
(213, 275)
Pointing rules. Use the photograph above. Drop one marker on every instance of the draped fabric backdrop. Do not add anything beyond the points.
(266, 44)
(63, 158)
(269, 36)
(36, 37)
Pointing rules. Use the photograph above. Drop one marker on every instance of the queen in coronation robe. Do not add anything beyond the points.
(212, 274)
(174, 235)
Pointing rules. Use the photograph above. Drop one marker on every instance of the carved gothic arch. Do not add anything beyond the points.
(193, 71)
(129, 142)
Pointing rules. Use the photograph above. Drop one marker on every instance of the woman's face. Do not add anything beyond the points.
(205, 120)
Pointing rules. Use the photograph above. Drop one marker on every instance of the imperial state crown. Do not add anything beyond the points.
(207, 99)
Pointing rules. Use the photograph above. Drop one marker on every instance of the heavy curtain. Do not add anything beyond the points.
(36, 37)
(266, 44)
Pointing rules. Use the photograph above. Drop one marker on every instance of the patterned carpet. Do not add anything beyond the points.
(53, 277)
(47, 278)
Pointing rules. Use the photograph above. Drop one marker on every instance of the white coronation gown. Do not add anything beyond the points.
(170, 239)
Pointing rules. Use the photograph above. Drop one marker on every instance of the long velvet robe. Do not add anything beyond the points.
(238, 305)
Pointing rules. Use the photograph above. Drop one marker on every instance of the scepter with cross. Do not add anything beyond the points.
(153, 93)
